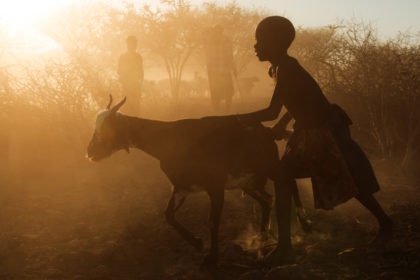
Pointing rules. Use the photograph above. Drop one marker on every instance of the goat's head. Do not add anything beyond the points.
(107, 136)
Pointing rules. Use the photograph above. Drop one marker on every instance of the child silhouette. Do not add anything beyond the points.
(320, 147)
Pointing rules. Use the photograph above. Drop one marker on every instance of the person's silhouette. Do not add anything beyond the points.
(220, 68)
(320, 147)
(131, 74)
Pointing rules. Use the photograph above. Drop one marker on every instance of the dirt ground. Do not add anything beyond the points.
(105, 221)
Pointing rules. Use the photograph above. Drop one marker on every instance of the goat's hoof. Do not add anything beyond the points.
(209, 262)
(198, 244)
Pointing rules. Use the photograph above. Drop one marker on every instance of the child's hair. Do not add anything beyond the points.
(279, 28)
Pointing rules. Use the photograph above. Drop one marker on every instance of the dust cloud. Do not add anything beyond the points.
(63, 217)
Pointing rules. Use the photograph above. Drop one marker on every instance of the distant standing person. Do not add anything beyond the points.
(130, 70)
(220, 68)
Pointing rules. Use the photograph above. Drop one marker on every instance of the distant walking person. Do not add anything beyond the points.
(130, 70)
(220, 68)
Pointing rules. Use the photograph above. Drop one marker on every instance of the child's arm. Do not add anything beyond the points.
(279, 130)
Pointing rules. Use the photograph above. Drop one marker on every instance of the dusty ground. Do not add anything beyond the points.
(105, 221)
(62, 217)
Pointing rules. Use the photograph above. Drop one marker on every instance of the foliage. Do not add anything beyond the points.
(376, 82)
(173, 34)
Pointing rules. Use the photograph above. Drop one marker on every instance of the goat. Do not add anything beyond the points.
(209, 154)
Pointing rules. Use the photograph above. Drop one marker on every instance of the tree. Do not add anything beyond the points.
(90, 36)
(380, 80)
(172, 35)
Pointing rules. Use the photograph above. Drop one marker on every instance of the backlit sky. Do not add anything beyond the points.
(389, 16)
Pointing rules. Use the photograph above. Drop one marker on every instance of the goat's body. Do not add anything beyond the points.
(208, 155)
(196, 153)
(211, 155)
(222, 150)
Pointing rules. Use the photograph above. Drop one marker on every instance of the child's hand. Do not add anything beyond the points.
(280, 132)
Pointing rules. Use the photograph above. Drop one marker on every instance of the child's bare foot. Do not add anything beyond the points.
(385, 234)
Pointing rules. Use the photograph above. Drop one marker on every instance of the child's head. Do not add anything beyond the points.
(131, 43)
(274, 36)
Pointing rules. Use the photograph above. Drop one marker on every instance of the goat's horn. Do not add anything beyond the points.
(110, 102)
(118, 106)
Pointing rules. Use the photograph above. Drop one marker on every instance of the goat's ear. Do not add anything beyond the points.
(109, 103)
(127, 149)
(118, 106)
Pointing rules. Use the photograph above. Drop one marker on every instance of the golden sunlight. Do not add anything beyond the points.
(20, 14)
(20, 18)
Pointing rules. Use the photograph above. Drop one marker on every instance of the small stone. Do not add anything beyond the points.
(350, 255)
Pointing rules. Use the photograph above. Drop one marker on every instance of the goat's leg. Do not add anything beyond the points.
(283, 253)
(386, 225)
(264, 200)
(305, 222)
(177, 199)
(216, 204)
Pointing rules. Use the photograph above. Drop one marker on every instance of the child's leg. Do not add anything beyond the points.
(283, 187)
(365, 178)
(283, 194)
(283, 253)
(385, 222)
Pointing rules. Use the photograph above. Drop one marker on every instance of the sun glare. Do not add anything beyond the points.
(21, 14)
(20, 18)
